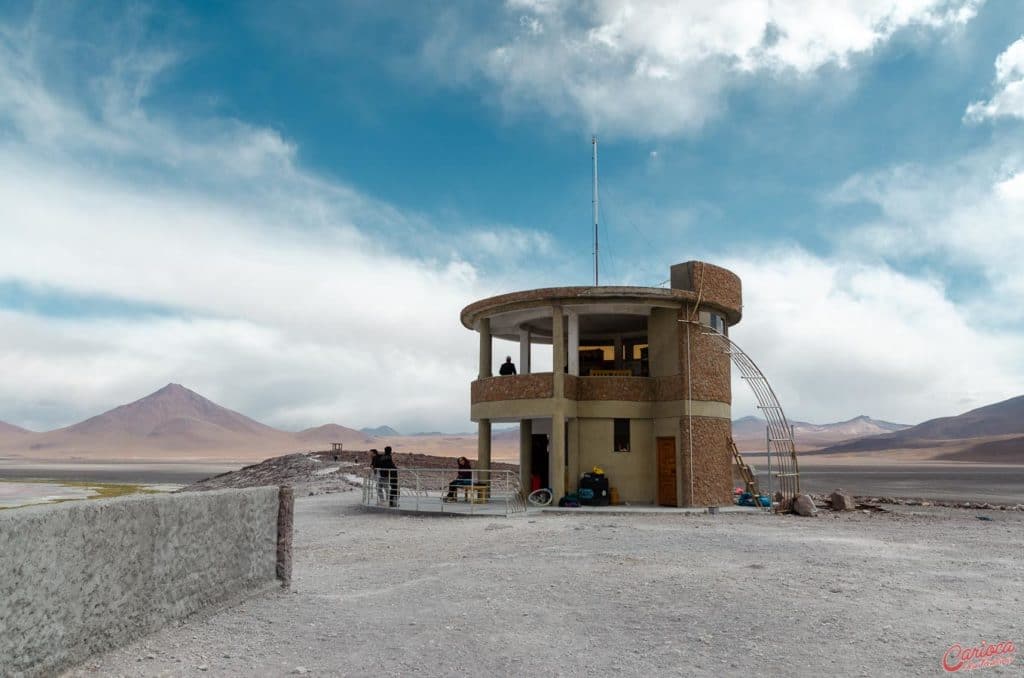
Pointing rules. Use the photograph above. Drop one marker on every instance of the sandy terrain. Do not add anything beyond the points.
(586, 595)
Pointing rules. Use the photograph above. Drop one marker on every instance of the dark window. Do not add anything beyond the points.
(621, 435)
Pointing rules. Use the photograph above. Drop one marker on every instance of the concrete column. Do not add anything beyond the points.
(557, 461)
(524, 351)
(525, 454)
(618, 352)
(573, 443)
(485, 349)
(574, 343)
(483, 448)
(558, 350)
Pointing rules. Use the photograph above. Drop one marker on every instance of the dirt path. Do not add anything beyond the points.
(591, 595)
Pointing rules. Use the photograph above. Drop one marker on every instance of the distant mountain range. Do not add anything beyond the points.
(749, 432)
(990, 433)
(178, 424)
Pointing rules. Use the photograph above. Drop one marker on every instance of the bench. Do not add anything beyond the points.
(477, 494)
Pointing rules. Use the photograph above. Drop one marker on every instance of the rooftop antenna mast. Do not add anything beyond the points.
(593, 140)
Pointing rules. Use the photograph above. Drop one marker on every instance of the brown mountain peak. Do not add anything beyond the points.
(152, 413)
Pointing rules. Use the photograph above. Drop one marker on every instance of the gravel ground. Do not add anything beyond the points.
(594, 595)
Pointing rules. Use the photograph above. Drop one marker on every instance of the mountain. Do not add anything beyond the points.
(749, 432)
(322, 436)
(1001, 451)
(1004, 418)
(172, 422)
(175, 423)
(10, 429)
(173, 409)
(381, 432)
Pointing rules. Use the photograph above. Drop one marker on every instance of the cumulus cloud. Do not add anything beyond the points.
(1008, 100)
(966, 217)
(838, 338)
(663, 68)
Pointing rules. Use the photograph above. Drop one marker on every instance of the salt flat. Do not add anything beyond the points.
(585, 595)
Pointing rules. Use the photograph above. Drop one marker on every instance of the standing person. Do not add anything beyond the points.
(378, 473)
(463, 478)
(508, 367)
(391, 474)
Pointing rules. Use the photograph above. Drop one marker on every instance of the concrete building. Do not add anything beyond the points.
(637, 385)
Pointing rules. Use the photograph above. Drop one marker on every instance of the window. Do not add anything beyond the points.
(715, 321)
(621, 437)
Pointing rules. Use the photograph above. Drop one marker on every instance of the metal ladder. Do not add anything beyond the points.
(749, 479)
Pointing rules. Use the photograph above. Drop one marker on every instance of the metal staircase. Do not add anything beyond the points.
(783, 470)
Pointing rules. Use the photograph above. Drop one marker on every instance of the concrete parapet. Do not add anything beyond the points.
(82, 577)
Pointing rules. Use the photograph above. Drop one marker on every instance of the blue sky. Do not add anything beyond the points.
(285, 206)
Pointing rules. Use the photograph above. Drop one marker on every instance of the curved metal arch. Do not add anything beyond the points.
(780, 435)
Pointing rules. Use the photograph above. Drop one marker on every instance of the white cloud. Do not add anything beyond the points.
(1008, 101)
(967, 217)
(282, 294)
(662, 68)
(840, 339)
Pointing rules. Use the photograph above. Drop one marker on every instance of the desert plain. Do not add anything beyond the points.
(587, 594)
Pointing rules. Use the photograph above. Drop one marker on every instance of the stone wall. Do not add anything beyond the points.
(630, 389)
(712, 461)
(709, 366)
(714, 285)
(516, 387)
(82, 577)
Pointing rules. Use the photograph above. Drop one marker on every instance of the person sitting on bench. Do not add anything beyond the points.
(463, 479)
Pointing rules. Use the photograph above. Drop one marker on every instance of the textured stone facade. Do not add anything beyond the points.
(712, 462)
(714, 285)
(709, 367)
(518, 387)
(82, 577)
(633, 389)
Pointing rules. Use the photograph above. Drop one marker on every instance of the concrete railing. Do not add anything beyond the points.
(83, 577)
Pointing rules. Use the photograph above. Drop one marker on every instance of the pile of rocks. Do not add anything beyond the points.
(839, 500)
(901, 501)
(305, 470)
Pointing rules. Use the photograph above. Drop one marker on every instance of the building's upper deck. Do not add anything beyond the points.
(693, 283)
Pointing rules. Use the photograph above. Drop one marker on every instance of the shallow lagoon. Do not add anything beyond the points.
(16, 493)
(13, 494)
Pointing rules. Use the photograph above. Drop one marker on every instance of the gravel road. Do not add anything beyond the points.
(595, 595)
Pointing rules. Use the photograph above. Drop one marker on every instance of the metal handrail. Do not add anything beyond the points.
(423, 489)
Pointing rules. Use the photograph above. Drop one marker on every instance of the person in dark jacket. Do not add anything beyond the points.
(508, 367)
(463, 478)
(390, 473)
(376, 458)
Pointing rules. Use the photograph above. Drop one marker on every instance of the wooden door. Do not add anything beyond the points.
(667, 471)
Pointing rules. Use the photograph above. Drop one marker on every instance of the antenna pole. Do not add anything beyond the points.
(593, 140)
